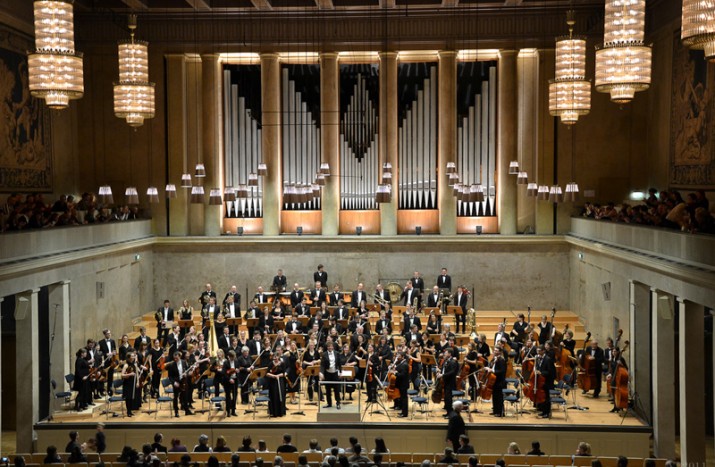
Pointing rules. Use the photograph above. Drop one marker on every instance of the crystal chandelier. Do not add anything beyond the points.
(698, 26)
(570, 91)
(623, 62)
(55, 69)
(134, 94)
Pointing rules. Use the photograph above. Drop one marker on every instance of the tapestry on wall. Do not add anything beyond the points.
(692, 125)
(25, 146)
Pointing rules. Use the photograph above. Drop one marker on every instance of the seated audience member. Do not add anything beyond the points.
(464, 446)
(203, 445)
(176, 446)
(52, 457)
(449, 457)
(536, 449)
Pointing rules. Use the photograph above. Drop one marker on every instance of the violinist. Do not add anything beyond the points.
(372, 365)
(81, 382)
(449, 372)
(428, 348)
(245, 366)
(616, 362)
(472, 360)
(414, 360)
(442, 344)
(281, 340)
(498, 368)
(383, 323)
(130, 384)
(177, 374)
(317, 319)
(142, 338)
(595, 354)
(384, 353)
(265, 322)
(329, 372)
(544, 367)
(124, 348)
(291, 364)
(311, 357)
(447, 331)
(276, 385)
(483, 349)
(230, 382)
(334, 326)
(108, 348)
(348, 358)
(217, 369)
(401, 372)
(433, 324)
(156, 354)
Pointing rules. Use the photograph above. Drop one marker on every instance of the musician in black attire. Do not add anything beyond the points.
(450, 370)
(372, 369)
(417, 282)
(81, 382)
(595, 354)
(330, 372)
(296, 296)
(176, 371)
(155, 353)
(444, 281)
(317, 295)
(519, 332)
(321, 276)
(276, 387)
(336, 296)
(206, 295)
(108, 347)
(546, 330)
(230, 382)
(460, 300)
(130, 391)
(163, 314)
(265, 322)
(545, 367)
(279, 282)
(472, 359)
(402, 382)
(498, 367)
(233, 293)
(245, 366)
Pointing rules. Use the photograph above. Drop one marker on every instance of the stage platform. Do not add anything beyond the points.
(608, 433)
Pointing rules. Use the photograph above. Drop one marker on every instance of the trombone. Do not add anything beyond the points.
(379, 300)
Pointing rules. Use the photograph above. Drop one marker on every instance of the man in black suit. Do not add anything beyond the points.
(224, 341)
(293, 326)
(296, 296)
(206, 295)
(176, 371)
(450, 369)
(383, 323)
(255, 346)
(455, 425)
(410, 320)
(413, 334)
(444, 281)
(108, 347)
(230, 382)
(498, 367)
(383, 296)
(336, 295)
(460, 300)
(342, 312)
(433, 297)
(358, 295)
(321, 276)
(595, 354)
(330, 372)
(317, 295)
(142, 338)
(417, 282)
(173, 340)
(233, 292)
(302, 309)
(166, 313)
(410, 294)
(279, 282)
(260, 296)
(544, 366)
(402, 382)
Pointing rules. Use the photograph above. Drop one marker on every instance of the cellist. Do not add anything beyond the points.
(616, 362)
(544, 368)
(595, 355)
(498, 367)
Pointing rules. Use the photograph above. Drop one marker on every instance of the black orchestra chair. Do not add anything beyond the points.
(260, 397)
(215, 401)
(511, 395)
(64, 395)
(114, 398)
(558, 397)
(166, 398)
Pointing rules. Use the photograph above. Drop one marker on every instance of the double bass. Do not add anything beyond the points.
(486, 382)
(620, 376)
(438, 389)
(391, 390)
(557, 337)
(534, 389)
(587, 373)
(615, 346)
(563, 362)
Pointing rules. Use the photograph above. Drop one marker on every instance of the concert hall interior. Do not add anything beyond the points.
(536, 172)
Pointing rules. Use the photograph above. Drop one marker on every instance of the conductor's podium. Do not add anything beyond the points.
(349, 410)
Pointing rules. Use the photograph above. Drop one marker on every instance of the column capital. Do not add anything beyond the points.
(328, 55)
(29, 292)
(387, 54)
(269, 55)
(507, 52)
(447, 54)
(210, 56)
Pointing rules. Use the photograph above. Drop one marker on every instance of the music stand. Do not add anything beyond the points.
(309, 373)
(279, 324)
(456, 310)
(303, 320)
(431, 309)
(461, 341)
(343, 323)
(255, 375)
(347, 373)
(184, 323)
(314, 310)
(251, 323)
(299, 339)
(435, 338)
(399, 310)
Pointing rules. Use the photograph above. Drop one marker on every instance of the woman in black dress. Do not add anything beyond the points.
(129, 386)
(81, 380)
(290, 360)
(276, 387)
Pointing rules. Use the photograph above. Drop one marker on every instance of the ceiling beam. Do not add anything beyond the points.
(136, 4)
(262, 5)
(198, 4)
(325, 4)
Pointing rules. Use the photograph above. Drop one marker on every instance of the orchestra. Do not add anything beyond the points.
(309, 342)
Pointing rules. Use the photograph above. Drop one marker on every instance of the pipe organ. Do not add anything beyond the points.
(300, 134)
(242, 137)
(476, 133)
(417, 135)
(359, 160)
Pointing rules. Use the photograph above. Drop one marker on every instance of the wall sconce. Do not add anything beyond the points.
(358, 230)
(479, 230)
(300, 230)
(239, 231)
(418, 230)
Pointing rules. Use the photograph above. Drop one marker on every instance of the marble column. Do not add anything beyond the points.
(506, 141)
(27, 371)
(639, 357)
(544, 169)
(330, 135)
(212, 138)
(59, 298)
(527, 72)
(388, 137)
(176, 142)
(271, 141)
(662, 382)
(447, 138)
(691, 347)
(194, 146)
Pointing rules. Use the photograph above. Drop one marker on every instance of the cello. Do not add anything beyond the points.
(534, 389)
(487, 381)
(438, 389)
(615, 346)
(563, 363)
(621, 380)
(587, 372)
(391, 390)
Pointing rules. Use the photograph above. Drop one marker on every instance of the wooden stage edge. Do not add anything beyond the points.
(562, 438)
